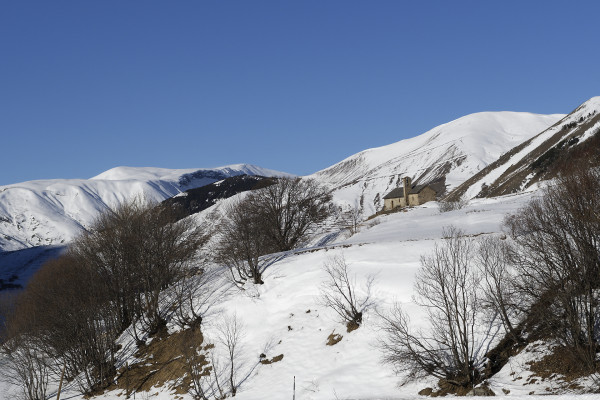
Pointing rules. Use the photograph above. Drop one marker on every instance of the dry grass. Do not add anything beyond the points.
(333, 339)
(161, 363)
(352, 326)
(272, 360)
(560, 364)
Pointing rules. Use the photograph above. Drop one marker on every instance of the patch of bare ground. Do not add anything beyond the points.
(161, 363)
(449, 388)
(267, 361)
(334, 338)
(560, 366)
(352, 326)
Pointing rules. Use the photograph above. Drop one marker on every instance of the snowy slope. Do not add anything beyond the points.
(285, 315)
(51, 212)
(17, 267)
(275, 315)
(517, 169)
(453, 151)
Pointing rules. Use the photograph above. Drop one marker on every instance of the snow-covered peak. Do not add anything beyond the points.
(535, 159)
(46, 212)
(587, 109)
(483, 136)
(165, 174)
(452, 152)
(142, 174)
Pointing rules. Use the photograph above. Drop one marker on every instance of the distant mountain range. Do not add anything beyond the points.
(478, 155)
(52, 212)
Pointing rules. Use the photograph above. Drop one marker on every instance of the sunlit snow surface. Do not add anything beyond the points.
(455, 150)
(52, 212)
(277, 321)
(275, 314)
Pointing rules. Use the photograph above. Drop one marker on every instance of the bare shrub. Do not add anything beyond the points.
(196, 294)
(215, 371)
(446, 206)
(447, 288)
(197, 366)
(341, 294)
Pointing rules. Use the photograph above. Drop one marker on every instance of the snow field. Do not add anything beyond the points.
(276, 318)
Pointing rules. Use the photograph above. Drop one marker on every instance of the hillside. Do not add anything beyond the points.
(539, 158)
(285, 320)
(286, 328)
(450, 153)
(194, 200)
(52, 212)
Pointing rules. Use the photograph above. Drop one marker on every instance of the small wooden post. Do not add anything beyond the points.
(62, 375)
(127, 380)
(294, 397)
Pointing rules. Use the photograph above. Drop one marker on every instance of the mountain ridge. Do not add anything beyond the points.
(51, 212)
(531, 162)
(451, 152)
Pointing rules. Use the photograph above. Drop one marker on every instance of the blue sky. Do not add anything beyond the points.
(290, 85)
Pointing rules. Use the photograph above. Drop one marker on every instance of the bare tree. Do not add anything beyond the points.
(75, 307)
(8, 300)
(499, 294)
(349, 219)
(354, 219)
(341, 294)
(111, 247)
(277, 218)
(168, 248)
(26, 366)
(241, 243)
(66, 314)
(196, 294)
(289, 211)
(230, 336)
(557, 256)
(138, 249)
(447, 288)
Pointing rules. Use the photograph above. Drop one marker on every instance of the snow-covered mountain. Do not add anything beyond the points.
(451, 153)
(285, 319)
(51, 212)
(539, 158)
